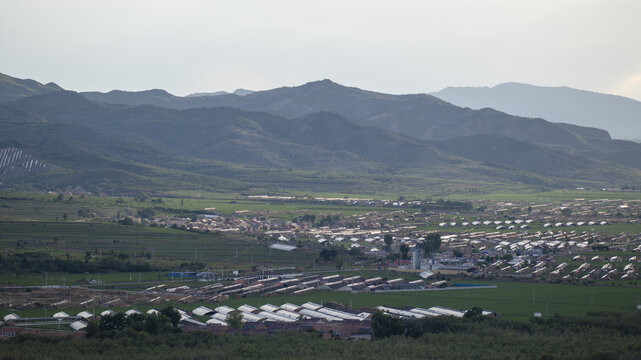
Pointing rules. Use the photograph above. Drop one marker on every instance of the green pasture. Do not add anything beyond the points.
(68, 279)
(46, 207)
(548, 196)
(219, 251)
(510, 299)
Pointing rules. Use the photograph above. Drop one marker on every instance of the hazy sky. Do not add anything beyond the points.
(390, 46)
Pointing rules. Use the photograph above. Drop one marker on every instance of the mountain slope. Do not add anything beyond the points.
(320, 141)
(306, 137)
(507, 153)
(13, 88)
(169, 139)
(618, 115)
(420, 116)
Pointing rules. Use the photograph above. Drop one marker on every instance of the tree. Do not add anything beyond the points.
(126, 221)
(474, 312)
(339, 262)
(329, 253)
(385, 325)
(507, 257)
(404, 249)
(388, 238)
(146, 213)
(92, 329)
(140, 196)
(172, 314)
(87, 255)
(431, 244)
(355, 252)
(112, 322)
(234, 320)
(307, 218)
(457, 253)
(566, 211)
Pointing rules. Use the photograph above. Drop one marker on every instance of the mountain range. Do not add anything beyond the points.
(318, 136)
(619, 115)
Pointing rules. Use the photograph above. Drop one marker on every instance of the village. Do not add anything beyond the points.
(427, 246)
(489, 238)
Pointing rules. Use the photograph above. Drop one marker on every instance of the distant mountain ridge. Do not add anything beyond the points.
(239, 92)
(13, 88)
(619, 115)
(228, 134)
(129, 139)
(419, 115)
(320, 134)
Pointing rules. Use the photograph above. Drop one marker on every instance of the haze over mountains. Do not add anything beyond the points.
(619, 115)
(317, 136)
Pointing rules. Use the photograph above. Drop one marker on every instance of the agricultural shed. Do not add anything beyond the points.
(131, 312)
(12, 316)
(78, 325)
(202, 311)
(85, 315)
(61, 314)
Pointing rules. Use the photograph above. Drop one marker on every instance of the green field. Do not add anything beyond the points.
(219, 251)
(548, 196)
(45, 207)
(512, 299)
(83, 279)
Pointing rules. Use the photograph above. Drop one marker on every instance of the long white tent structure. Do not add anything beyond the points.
(339, 314)
(319, 315)
(401, 313)
(285, 313)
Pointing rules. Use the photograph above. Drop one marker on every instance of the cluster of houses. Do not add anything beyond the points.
(518, 243)
(597, 267)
